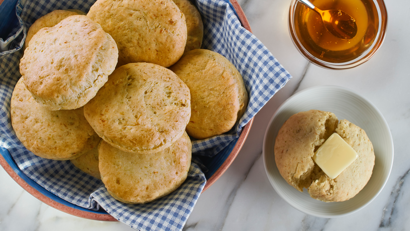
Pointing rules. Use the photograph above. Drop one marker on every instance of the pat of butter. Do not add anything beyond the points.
(334, 156)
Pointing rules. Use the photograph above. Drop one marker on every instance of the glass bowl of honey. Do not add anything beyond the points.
(321, 47)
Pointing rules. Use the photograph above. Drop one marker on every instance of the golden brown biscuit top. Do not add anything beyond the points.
(58, 135)
(194, 24)
(88, 162)
(142, 108)
(48, 20)
(145, 30)
(135, 178)
(218, 94)
(64, 63)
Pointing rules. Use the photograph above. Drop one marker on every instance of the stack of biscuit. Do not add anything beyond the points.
(96, 90)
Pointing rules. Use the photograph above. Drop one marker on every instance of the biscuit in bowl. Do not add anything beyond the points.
(298, 139)
(65, 65)
(134, 178)
(88, 162)
(194, 24)
(218, 93)
(48, 20)
(151, 31)
(77, 11)
(143, 108)
(57, 135)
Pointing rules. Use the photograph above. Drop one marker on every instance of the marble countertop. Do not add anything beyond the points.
(243, 199)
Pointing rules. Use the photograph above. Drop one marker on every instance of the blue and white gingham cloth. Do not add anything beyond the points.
(263, 77)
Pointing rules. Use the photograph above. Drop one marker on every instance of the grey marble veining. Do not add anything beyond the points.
(255, 9)
(314, 223)
(395, 213)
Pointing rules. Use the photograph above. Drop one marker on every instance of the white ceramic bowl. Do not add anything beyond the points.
(346, 105)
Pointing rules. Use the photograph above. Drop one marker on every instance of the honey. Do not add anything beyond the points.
(320, 43)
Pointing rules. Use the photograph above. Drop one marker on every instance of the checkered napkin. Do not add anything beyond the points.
(263, 77)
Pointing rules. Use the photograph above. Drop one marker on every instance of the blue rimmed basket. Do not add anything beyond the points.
(217, 165)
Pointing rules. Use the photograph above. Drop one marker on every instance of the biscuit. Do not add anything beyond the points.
(58, 135)
(65, 65)
(135, 178)
(353, 179)
(88, 162)
(77, 11)
(143, 108)
(151, 31)
(194, 24)
(296, 143)
(298, 139)
(218, 94)
(48, 20)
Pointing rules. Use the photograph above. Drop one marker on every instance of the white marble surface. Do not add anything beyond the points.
(243, 199)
